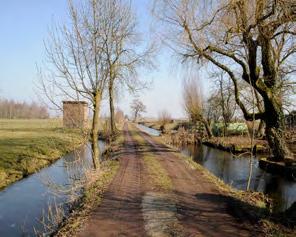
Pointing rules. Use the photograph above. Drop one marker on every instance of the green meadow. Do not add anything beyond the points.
(29, 145)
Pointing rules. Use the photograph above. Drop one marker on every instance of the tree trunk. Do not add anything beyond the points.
(260, 131)
(225, 128)
(95, 132)
(208, 128)
(111, 107)
(275, 127)
(136, 116)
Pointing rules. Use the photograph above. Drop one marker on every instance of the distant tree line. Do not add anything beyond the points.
(10, 109)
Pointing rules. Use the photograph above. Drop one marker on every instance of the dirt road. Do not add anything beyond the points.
(192, 207)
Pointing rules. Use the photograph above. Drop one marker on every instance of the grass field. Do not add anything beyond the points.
(28, 145)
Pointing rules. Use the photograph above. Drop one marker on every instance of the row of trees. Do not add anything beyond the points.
(252, 41)
(10, 109)
(93, 56)
(218, 106)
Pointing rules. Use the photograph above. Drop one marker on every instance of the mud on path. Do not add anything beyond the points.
(129, 208)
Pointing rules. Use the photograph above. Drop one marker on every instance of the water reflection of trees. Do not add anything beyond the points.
(77, 164)
(217, 162)
(65, 191)
(234, 172)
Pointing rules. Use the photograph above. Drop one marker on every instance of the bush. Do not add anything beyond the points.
(234, 129)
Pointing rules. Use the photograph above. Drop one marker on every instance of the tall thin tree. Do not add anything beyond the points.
(123, 49)
(77, 67)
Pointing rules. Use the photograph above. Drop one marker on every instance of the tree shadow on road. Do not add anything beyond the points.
(206, 210)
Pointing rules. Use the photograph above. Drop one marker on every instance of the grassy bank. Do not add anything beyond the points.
(254, 205)
(239, 143)
(91, 198)
(94, 189)
(29, 145)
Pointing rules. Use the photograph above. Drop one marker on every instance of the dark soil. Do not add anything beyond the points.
(201, 208)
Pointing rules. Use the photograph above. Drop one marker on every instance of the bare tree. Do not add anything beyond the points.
(10, 109)
(250, 40)
(213, 111)
(193, 103)
(137, 108)
(122, 50)
(78, 69)
(253, 101)
(226, 101)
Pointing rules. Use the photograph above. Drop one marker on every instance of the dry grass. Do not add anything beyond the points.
(157, 124)
(257, 199)
(96, 184)
(157, 174)
(259, 203)
(114, 146)
(158, 177)
(241, 141)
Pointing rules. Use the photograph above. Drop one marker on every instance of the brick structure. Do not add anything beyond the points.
(75, 114)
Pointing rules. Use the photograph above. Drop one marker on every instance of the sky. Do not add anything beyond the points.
(24, 27)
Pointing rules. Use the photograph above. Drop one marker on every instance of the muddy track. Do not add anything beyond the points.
(120, 211)
(202, 209)
(194, 206)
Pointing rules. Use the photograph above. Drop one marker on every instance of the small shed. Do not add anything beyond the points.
(75, 114)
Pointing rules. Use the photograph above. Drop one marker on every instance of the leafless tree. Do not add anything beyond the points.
(77, 64)
(122, 50)
(213, 112)
(250, 40)
(137, 108)
(253, 102)
(225, 97)
(193, 103)
(10, 109)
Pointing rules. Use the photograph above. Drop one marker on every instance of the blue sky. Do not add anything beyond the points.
(23, 28)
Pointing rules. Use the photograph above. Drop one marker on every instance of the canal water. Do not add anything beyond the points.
(234, 171)
(24, 203)
(150, 131)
